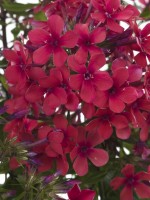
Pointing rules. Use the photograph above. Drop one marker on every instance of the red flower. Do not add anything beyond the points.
(132, 181)
(87, 40)
(89, 78)
(76, 194)
(52, 42)
(85, 150)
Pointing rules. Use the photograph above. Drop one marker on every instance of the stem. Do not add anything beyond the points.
(3, 19)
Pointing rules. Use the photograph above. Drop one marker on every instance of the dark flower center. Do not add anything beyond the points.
(88, 76)
(131, 181)
(83, 149)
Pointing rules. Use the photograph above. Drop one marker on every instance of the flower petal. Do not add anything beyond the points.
(115, 104)
(56, 24)
(126, 193)
(87, 92)
(69, 40)
(98, 157)
(142, 190)
(81, 170)
(38, 36)
(59, 57)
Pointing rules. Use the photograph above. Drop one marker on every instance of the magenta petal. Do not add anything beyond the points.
(59, 57)
(86, 195)
(117, 182)
(87, 91)
(119, 121)
(128, 95)
(98, 157)
(69, 40)
(34, 93)
(74, 64)
(126, 193)
(96, 62)
(123, 133)
(116, 105)
(128, 170)
(56, 24)
(76, 81)
(60, 93)
(114, 26)
(42, 55)
(81, 169)
(60, 122)
(11, 55)
(105, 130)
(142, 190)
(38, 36)
(74, 192)
(51, 102)
(98, 35)
(102, 81)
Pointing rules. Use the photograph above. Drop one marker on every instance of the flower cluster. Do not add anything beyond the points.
(77, 84)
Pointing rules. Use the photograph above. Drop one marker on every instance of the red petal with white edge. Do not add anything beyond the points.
(135, 73)
(80, 165)
(34, 93)
(114, 26)
(75, 65)
(117, 182)
(86, 195)
(59, 57)
(115, 104)
(11, 55)
(87, 92)
(111, 6)
(105, 130)
(74, 192)
(69, 40)
(51, 102)
(128, 170)
(119, 121)
(123, 133)
(126, 193)
(96, 62)
(56, 24)
(102, 81)
(38, 36)
(60, 122)
(60, 93)
(98, 35)
(120, 76)
(98, 157)
(42, 55)
(76, 81)
(142, 190)
(128, 95)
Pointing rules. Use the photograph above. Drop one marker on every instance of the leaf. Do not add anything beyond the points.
(17, 7)
(3, 81)
(40, 16)
(146, 12)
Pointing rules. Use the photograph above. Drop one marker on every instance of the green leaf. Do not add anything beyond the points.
(146, 12)
(3, 81)
(17, 7)
(40, 16)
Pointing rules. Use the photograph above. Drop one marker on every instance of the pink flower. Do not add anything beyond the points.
(76, 194)
(52, 42)
(85, 150)
(132, 181)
